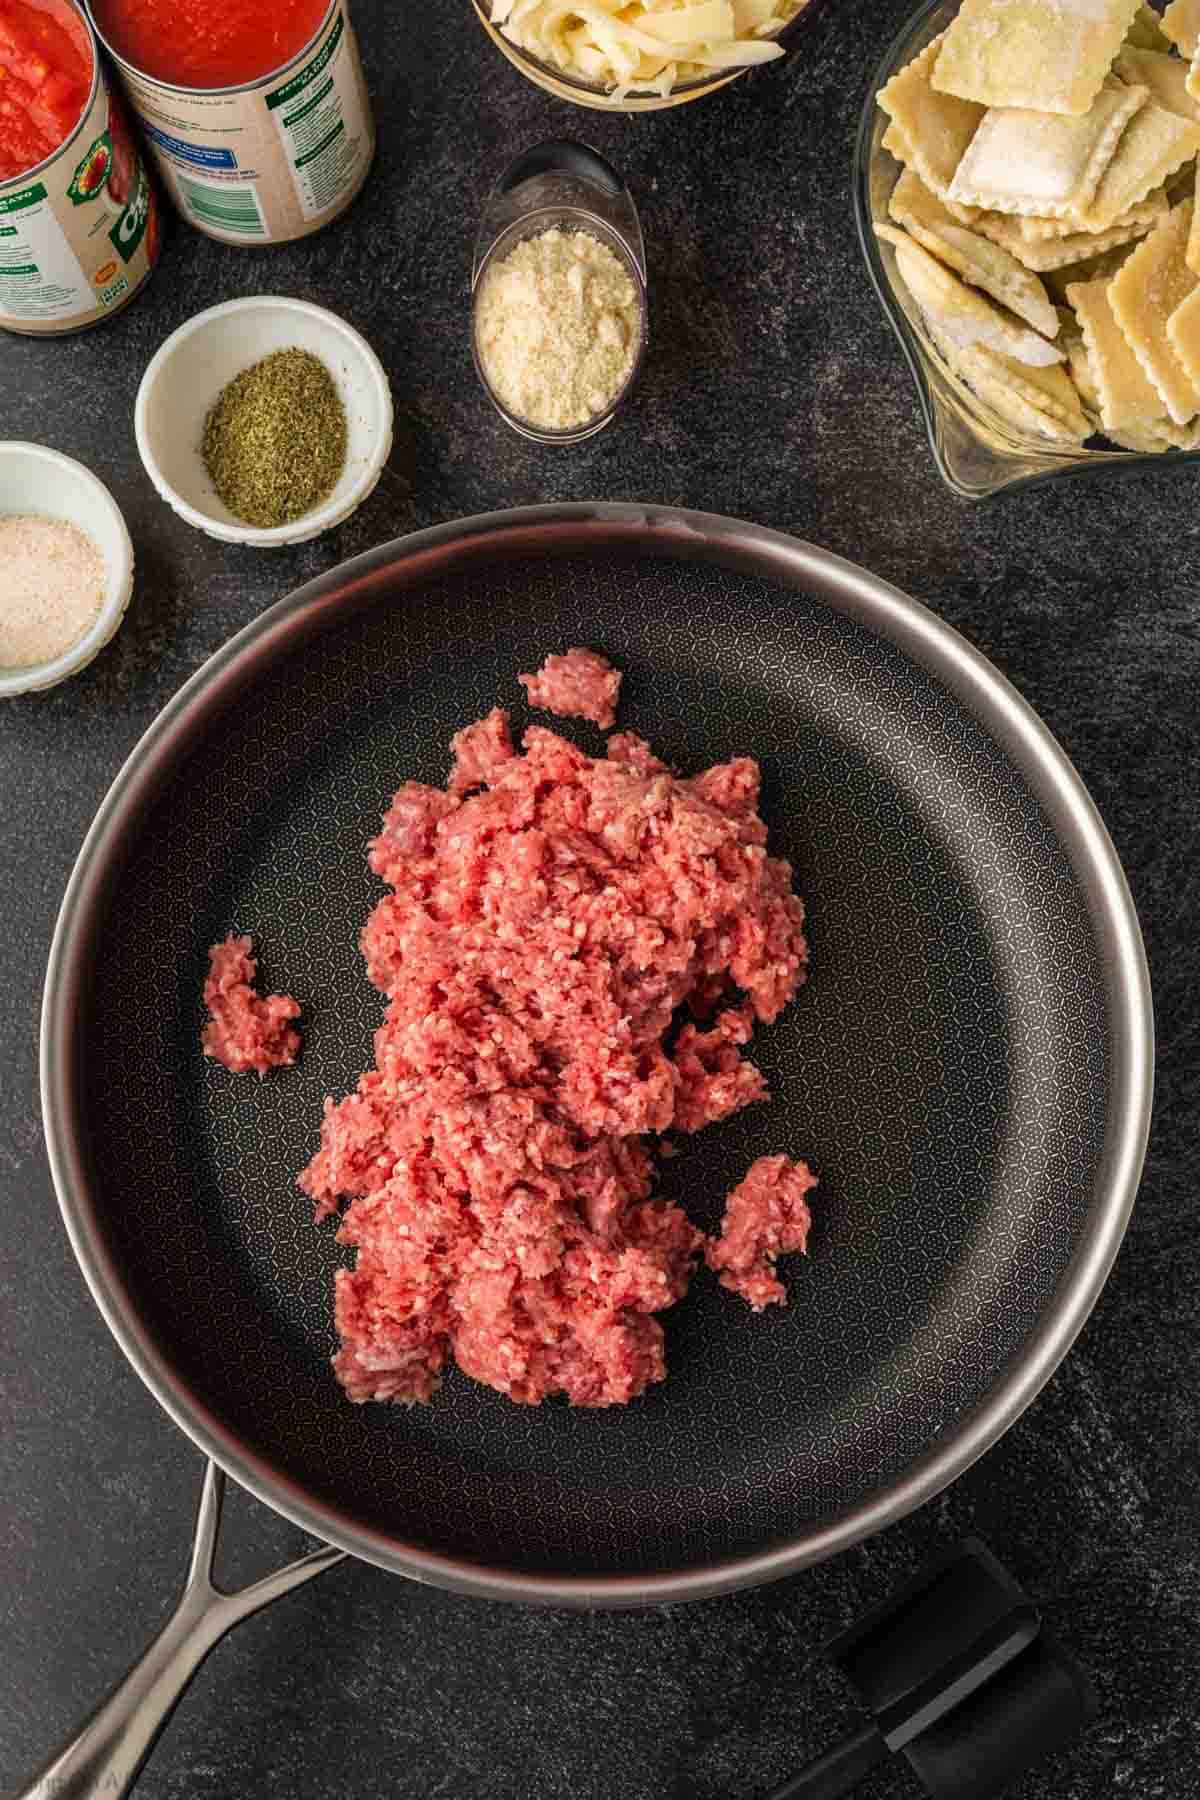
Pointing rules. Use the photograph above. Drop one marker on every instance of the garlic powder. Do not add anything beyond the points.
(557, 329)
(52, 580)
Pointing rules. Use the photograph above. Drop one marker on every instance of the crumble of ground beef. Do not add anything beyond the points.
(766, 1216)
(480, 752)
(580, 685)
(245, 1031)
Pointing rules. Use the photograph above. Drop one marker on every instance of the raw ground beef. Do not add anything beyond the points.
(766, 1216)
(541, 934)
(580, 685)
(480, 752)
(245, 1031)
(627, 747)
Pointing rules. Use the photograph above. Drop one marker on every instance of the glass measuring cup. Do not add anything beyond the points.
(566, 186)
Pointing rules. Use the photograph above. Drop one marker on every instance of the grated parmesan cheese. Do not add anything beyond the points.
(557, 328)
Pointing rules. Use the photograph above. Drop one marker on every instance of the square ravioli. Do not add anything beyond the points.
(1040, 163)
(1080, 369)
(1154, 144)
(1125, 393)
(1089, 268)
(934, 128)
(1183, 331)
(1045, 254)
(1147, 212)
(1165, 76)
(1051, 390)
(984, 264)
(986, 375)
(895, 143)
(960, 313)
(1144, 293)
(1152, 440)
(1042, 54)
(911, 202)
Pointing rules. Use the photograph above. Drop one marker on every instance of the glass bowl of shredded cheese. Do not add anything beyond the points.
(644, 56)
(1003, 291)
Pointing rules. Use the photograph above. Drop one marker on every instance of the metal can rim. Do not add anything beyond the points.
(14, 182)
(242, 87)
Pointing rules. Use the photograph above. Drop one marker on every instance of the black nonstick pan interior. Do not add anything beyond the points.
(976, 1010)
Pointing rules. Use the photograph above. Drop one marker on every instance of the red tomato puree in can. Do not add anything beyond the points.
(45, 80)
(208, 43)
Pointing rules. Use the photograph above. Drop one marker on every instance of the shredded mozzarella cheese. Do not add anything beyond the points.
(647, 46)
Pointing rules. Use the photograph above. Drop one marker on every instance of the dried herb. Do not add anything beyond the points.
(275, 441)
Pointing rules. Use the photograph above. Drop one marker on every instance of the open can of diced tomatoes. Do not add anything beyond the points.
(258, 118)
(78, 216)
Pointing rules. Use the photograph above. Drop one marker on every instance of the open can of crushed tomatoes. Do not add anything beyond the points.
(250, 154)
(78, 216)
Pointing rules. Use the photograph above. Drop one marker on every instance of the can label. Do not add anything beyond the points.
(309, 113)
(269, 163)
(79, 238)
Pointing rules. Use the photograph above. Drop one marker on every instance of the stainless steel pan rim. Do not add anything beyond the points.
(596, 527)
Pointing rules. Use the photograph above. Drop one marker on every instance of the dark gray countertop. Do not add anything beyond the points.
(773, 390)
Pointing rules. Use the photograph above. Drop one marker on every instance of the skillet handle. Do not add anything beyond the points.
(103, 1759)
(839, 1771)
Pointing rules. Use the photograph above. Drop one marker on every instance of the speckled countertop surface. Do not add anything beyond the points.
(773, 390)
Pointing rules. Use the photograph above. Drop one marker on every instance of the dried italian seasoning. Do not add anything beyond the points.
(275, 442)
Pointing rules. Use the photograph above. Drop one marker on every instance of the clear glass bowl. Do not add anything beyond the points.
(562, 186)
(976, 451)
(589, 93)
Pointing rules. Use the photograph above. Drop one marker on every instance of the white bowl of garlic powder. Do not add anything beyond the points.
(66, 567)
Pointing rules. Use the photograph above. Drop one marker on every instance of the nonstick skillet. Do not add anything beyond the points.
(968, 1069)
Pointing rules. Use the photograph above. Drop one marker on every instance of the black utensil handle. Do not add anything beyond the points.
(839, 1771)
(561, 156)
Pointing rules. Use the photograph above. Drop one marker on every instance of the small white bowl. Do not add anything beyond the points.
(48, 485)
(186, 375)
